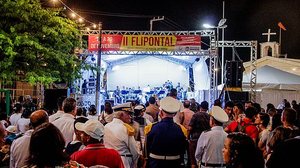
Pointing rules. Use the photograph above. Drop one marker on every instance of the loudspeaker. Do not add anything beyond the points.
(236, 96)
(234, 73)
(51, 96)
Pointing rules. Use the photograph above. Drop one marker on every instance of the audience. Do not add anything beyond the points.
(66, 122)
(76, 144)
(107, 115)
(18, 110)
(29, 140)
(95, 152)
(60, 111)
(240, 151)
(47, 147)
(92, 115)
(19, 152)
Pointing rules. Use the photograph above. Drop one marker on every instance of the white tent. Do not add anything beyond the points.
(277, 78)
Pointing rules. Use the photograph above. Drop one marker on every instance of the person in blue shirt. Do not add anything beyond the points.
(166, 140)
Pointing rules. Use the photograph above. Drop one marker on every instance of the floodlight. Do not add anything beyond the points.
(208, 26)
(221, 22)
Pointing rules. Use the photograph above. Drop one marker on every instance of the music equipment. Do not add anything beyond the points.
(236, 96)
(234, 73)
(137, 91)
(51, 96)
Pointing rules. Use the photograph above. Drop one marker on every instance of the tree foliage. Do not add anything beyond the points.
(37, 44)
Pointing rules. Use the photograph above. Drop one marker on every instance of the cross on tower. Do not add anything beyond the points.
(269, 34)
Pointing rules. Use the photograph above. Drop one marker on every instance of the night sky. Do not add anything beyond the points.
(246, 19)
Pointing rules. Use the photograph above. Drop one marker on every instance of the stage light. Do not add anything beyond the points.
(80, 20)
(94, 26)
(208, 26)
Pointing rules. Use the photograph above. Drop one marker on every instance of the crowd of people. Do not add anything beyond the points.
(161, 133)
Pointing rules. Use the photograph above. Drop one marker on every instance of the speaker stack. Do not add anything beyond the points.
(235, 96)
(234, 81)
(51, 96)
(234, 74)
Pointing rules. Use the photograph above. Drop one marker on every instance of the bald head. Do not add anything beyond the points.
(38, 117)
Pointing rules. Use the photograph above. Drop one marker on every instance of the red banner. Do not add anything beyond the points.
(145, 42)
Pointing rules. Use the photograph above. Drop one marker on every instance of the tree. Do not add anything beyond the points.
(37, 44)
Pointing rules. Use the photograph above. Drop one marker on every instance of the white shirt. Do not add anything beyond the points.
(23, 125)
(56, 115)
(19, 151)
(92, 117)
(148, 117)
(14, 118)
(66, 126)
(116, 137)
(210, 145)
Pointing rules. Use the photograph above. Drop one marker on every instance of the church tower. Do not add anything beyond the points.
(269, 48)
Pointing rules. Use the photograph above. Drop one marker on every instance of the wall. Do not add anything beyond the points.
(276, 96)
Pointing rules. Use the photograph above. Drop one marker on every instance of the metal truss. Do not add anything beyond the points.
(202, 33)
(253, 59)
(119, 32)
(162, 53)
(211, 52)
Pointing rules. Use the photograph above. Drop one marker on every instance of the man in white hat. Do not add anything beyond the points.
(119, 135)
(95, 153)
(210, 143)
(166, 140)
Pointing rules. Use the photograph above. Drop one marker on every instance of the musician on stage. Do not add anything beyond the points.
(117, 95)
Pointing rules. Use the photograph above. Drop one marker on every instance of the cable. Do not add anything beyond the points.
(166, 23)
(173, 22)
(101, 13)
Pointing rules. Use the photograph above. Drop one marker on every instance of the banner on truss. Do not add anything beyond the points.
(145, 42)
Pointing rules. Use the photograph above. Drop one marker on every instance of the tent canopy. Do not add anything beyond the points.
(275, 73)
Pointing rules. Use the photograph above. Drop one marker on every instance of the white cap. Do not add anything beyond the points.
(123, 107)
(92, 127)
(219, 114)
(139, 107)
(170, 105)
(11, 129)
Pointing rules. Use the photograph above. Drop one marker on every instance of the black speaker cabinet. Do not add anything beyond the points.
(51, 96)
(236, 96)
(234, 73)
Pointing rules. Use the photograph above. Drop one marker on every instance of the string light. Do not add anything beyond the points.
(74, 14)
(54, 1)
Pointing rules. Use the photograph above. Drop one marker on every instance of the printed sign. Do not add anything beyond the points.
(145, 42)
